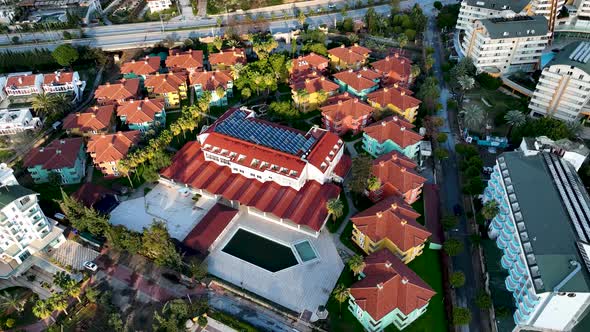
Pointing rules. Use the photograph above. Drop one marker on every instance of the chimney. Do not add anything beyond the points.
(307, 80)
(394, 156)
(340, 102)
(403, 222)
(380, 286)
(342, 46)
(381, 163)
(350, 70)
(387, 58)
(394, 206)
(77, 114)
(385, 89)
(395, 118)
(396, 85)
(133, 61)
(20, 80)
(403, 61)
(323, 78)
(396, 55)
(403, 170)
(388, 264)
(108, 84)
(403, 93)
(402, 128)
(404, 280)
(383, 123)
(379, 214)
(93, 115)
(57, 151)
(359, 75)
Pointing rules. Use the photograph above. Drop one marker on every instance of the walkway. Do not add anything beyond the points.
(351, 149)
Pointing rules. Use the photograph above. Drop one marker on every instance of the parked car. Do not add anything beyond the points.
(91, 266)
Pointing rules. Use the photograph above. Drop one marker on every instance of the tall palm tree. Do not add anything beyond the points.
(466, 82)
(490, 209)
(356, 264)
(12, 300)
(236, 70)
(335, 208)
(59, 302)
(402, 40)
(45, 103)
(473, 117)
(219, 92)
(302, 95)
(233, 43)
(340, 294)
(353, 38)
(514, 118)
(43, 310)
(246, 93)
(61, 279)
(73, 289)
(429, 62)
(415, 71)
(373, 183)
(218, 43)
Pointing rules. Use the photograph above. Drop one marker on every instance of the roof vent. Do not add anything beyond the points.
(381, 163)
(394, 156)
(402, 128)
(404, 280)
(394, 206)
(403, 222)
(395, 118)
(379, 214)
(403, 170)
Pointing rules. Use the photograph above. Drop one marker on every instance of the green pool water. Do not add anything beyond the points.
(305, 251)
(260, 251)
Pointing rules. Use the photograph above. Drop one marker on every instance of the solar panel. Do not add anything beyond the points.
(239, 126)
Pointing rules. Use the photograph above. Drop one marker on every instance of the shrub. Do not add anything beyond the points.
(488, 82)
(461, 316)
(457, 279)
(453, 247)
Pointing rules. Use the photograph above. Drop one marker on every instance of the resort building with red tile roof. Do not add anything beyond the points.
(306, 65)
(125, 89)
(94, 120)
(353, 57)
(358, 83)
(388, 293)
(396, 99)
(64, 82)
(191, 60)
(142, 67)
(219, 82)
(142, 114)
(392, 133)
(226, 59)
(24, 84)
(106, 150)
(391, 224)
(311, 93)
(345, 113)
(395, 69)
(398, 176)
(170, 87)
(63, 158)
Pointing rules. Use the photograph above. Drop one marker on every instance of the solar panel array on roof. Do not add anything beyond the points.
(237, 125)
(581, 53)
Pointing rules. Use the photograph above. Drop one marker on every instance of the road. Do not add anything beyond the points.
(451, 193)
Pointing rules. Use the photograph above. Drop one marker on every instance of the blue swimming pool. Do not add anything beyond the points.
(545, 58)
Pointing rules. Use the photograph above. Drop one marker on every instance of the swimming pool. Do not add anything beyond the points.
(545, 58)
(305, 251)
(260, 251)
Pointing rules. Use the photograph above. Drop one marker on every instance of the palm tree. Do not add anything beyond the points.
(514, 118)
(233, 43)
(218, 43)
(373, 183)
(340, 294)
(356, 264)
(73, 289)
(246, 93)
(44, 103)
(12, 300)
(402, 40)
(61, 279)
(353, 38)
(43, 310)
(236, 70)
(59, 302)
(466, 82)
(473, 116)
(219, 92)
(302, 95)
(429, 62)
(321, 98)
(490, 209)
(335, 208)
(301, 17)
(415, 71)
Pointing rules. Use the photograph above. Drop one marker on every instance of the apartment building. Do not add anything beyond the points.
(64, 158)
(142, 115)
(397, 99)
(14, 121)
(563, 90)
(107, 150)
(117, 92)
(170, 87)
(358, 83)
(64, 82)
(353, 57)
(344, 113)
(575, 21)
(506, 45)
(93, 120)
(158, 5)
(543, 230)
(576, 153)
(398, 176)
(141, 68)
(392, 133)
(24, 84)
(191, 60)
(218, 82)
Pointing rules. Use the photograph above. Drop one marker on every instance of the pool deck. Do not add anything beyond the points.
(304, 286)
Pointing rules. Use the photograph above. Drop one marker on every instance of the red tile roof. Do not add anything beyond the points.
(228, 57)
(59, 153)
(397, 67)
(148, 65)
(211, 80)
(397, 170)
(305, 65)
(58, 77)
(355, 80)
(342, 106)
(112, 147)
(209, 227)
(165, 83)
(350, 55)
(397, 97)
(343, 166)
(20, 81)
(327, 143)
(394, 128)
(392, 219)
(95, 118)
(306, 207)
(191, 59)
(315, 84)
(140, 111)
(124, 89)
(388, 285)
(90, 193)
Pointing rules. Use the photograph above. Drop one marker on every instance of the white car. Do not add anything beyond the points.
(90, 266)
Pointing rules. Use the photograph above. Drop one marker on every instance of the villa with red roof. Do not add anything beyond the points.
(395, 69)
(64, 82)
(191, 60)
(219, 82)
(94, 120)
(392, 133)
(344, 113)
(170, 87)
(142, 114)
(358, 83)
(353, 57)
(24, 85)
(125, 89)
(305, 65)
(63, 158)
(311, 93)
(226, 59)
(398, 176)
(389, 293)
(142, 67)
(107, 150)
(391, 224)
(396, 99)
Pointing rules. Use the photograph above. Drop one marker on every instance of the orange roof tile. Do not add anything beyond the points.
(92, 119)
(140, 111)
(228, 57)
(309, 63)
(316, 84)
(209, 227)
(191, 59)
(58, 154)
(58, 78)
(394, 128)
(148, 65)
(165, 83)
(20, 81)
(121, 90)
(112, 147)
(211, 80)
(355, 80)
(350, 55)
(394, 96)
(397, 170)
(396, 67)
(388, 285)
(342, 106)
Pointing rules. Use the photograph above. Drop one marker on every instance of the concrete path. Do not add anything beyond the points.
(351, 149)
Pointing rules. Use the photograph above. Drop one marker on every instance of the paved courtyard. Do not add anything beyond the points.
(178, 209)
(302, 287)
(74, 254)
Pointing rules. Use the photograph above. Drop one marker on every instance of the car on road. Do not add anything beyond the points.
(457, 210)
(331, 5)
(90, 266)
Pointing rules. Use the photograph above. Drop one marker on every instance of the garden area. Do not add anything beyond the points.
(16, 304)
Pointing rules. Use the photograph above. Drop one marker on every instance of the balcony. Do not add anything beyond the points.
(506, 262)
(511, 285)
(501, 243)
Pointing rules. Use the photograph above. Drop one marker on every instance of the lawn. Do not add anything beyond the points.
(346, 239)
(48, 194)
(332, 224)
(500, 104)
(428, 267)
(136, 179)
(418, 206)
(5, 155)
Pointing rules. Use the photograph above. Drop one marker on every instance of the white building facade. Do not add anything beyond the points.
(14, 121)
(506, 45)
(543, 230)
(472, 10)
(158, 5)
(64, 82)
(575, 153)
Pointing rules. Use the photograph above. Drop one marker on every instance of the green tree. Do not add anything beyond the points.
(402, 40)
(218, 43)
(157, 245)
(457, 279)
(441, 138)
(356, 264)
(43, 309)
(483, 300)
(449, 221)
(360, 173)
(340, 294)
(473, 117)
(373, 183)
(301, 17)
(173, 316)
(283, 110)
(475, 186)
(45, 104)
(12, 300)
(65, 55)
(61, 279)
(438, 5)
(429, 92)
(461, 316)
(353, 38)
(490, 209)
(198, 270)
(91, 294)
(428, 62)
(453, 247)
(514, 118)
(73, 289)
(202, 321)
(335, 208)
(115, 322)
(59, 303)
(441, 153)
